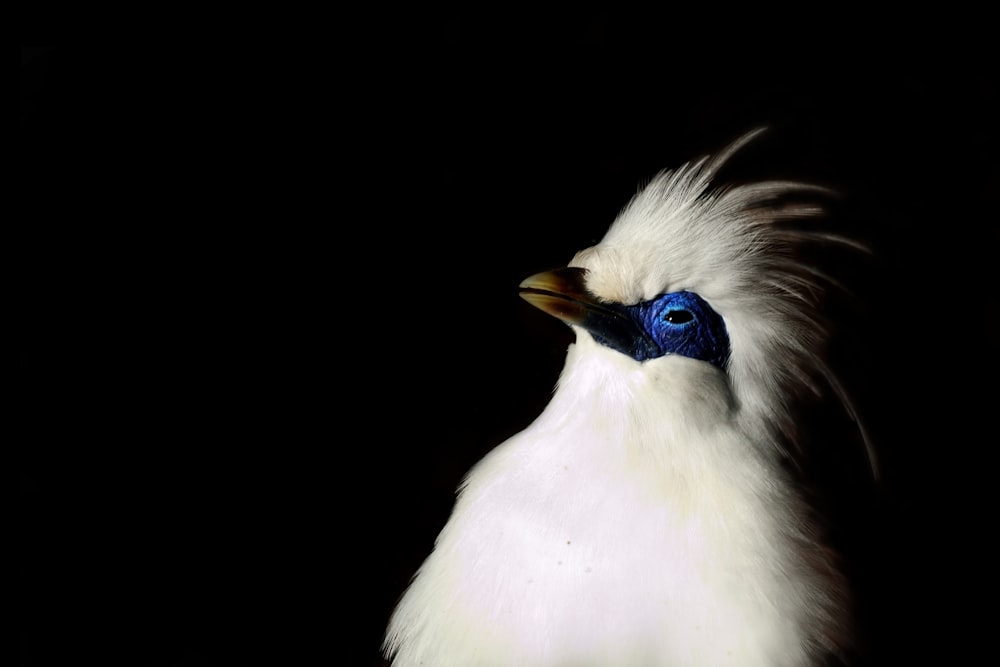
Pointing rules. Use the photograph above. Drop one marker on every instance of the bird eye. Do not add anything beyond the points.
(678, 316)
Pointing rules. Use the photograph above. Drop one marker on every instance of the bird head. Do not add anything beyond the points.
(689, 270)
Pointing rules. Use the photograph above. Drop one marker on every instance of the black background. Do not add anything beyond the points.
(266, 309)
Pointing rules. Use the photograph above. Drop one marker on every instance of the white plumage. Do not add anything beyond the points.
(645, 517)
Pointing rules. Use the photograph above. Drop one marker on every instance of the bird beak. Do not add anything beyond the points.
(563, 293)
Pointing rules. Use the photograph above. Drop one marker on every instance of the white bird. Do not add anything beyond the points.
(646, 517)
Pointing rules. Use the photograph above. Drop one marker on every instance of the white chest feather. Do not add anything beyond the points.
(614, 531)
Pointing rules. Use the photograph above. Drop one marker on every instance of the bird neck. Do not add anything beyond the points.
(670, 415)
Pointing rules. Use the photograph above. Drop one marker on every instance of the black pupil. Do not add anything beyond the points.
(678, 316)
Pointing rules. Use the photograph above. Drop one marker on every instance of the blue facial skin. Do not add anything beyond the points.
(676, 323)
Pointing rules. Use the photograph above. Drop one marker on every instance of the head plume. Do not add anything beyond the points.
(734, 247)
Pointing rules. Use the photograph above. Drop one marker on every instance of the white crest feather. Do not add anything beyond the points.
(727, 245)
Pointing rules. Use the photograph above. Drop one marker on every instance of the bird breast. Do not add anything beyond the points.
(614, 530)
